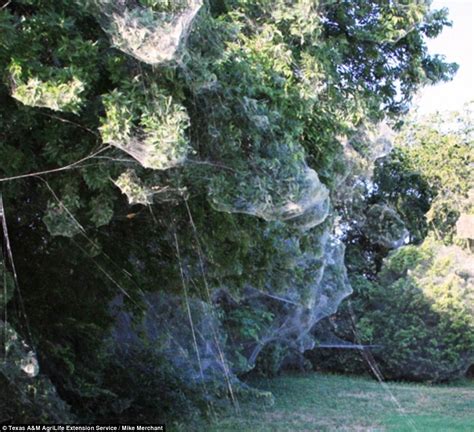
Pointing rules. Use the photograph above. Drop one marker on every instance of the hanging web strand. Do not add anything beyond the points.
(369, 358)
(208, 294)
(5, 295)
(188, 309)
(54, 170)
(9, 255)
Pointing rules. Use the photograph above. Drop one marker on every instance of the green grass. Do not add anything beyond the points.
(315, 402)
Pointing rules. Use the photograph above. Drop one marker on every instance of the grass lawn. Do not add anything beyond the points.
(316, 402)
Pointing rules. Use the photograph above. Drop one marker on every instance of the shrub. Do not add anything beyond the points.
(420, 311)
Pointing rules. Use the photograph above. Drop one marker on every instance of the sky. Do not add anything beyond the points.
(457, 44)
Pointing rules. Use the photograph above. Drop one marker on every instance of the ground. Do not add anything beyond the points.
(315, 402)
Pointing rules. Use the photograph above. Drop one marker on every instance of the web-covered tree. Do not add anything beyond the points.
(243, 113)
